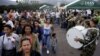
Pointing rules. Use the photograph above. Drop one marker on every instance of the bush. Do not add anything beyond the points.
(21, 7)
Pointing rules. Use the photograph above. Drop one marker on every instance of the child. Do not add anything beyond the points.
(54, 42)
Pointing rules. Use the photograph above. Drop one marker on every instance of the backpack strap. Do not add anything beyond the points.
(3, 42)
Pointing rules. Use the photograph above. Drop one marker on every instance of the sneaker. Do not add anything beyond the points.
(48, 51)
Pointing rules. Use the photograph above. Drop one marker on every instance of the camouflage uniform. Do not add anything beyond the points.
(89, 50)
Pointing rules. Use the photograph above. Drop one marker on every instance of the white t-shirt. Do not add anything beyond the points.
(52, 14)
(16, 14)
(8, 41)
(57, 14)
(88, 11)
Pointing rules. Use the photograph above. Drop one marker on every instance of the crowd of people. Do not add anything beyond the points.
(87, 19)
(81, 17)
(26, 33)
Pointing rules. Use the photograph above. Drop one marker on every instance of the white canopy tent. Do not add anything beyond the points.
(70, 4)
(42, 6)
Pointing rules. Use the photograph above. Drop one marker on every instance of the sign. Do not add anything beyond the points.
(86, 4)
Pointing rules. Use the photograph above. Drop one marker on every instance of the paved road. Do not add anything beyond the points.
(97, 51)
(63, 48)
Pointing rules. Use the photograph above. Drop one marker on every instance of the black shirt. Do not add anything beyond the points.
(33, 53)
(1, 26)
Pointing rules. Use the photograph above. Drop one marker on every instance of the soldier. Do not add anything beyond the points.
(89, 42)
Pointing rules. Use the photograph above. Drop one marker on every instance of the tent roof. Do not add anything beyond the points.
(85, 4)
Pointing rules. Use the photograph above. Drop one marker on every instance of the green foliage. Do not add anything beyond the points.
(22, 6)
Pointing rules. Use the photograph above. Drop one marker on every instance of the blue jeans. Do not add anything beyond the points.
(46, 41)
(57, 21)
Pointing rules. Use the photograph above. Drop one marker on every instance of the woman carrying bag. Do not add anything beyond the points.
(9, 42)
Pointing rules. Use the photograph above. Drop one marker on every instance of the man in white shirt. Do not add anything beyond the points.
(89, 12)
(57, 17)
